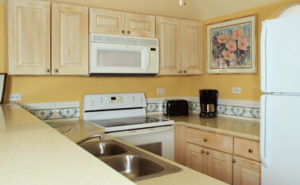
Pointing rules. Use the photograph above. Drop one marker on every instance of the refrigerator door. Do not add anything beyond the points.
(280, 140)
(280, 55)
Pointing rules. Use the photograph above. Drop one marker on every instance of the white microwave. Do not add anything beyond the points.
(111, 54)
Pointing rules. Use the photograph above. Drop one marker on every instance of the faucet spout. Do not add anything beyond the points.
(100, 136)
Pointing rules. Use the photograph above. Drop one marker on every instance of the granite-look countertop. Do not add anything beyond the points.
(75, 130)
(247, 129)
(33, 153)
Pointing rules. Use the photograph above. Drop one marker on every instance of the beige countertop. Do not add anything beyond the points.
(33, 153)
(247, 129)
(75, 130)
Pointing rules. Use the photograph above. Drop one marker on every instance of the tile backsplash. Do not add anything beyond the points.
(69, 110)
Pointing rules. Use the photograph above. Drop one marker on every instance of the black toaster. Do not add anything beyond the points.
(176, 108)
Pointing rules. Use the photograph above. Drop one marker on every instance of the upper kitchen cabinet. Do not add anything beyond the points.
(192, 51)
(69, 39)
(29, 37)
(140, 25)
(106, 21)
(181, 47)
(120, 23)
(168, 33)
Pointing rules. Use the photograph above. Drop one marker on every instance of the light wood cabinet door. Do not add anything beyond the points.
(246, 172)
(168, 33)
(29, 37)
(219, 165)
(107, 21)
(192, 47)
(69, 39)
(140, 25)
(196, 158)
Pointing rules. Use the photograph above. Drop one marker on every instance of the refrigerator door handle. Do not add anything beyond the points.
(263, 131)
(263, 59)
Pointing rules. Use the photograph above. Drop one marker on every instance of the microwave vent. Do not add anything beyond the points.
(123, 40)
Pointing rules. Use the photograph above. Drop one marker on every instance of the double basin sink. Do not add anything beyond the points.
(130, 162)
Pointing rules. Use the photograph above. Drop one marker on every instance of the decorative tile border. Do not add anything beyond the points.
(232, 108)
(51, 111)
(66, 110)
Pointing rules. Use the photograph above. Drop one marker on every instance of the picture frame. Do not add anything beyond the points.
(231, 46)
(2, 86)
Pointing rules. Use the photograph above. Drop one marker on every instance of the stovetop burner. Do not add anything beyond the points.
(127, 121)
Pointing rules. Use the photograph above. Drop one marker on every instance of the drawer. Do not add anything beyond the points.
(246, 148)
(210, 140)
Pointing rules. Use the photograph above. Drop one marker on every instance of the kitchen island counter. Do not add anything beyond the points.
(33, 153)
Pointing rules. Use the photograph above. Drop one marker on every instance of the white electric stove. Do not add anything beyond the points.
(124, 116)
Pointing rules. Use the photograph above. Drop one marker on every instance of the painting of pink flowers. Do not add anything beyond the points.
(231, 46)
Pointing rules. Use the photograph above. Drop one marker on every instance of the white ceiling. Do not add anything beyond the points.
(207, 9)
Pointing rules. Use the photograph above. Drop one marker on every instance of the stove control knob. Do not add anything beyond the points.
(100, 100)
(92, 103)
(132, 98)
(141, 100)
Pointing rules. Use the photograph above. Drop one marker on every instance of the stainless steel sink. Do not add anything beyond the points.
(103, 148)
(133, 166)
(130, 162)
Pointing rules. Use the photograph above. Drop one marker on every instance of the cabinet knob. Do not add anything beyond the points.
(56, 70)
(128, 32)
(202, 151)
(48, 70)
(123, 31)
(233, 161)
(184, 71)
(205, 140)
(250, 150)
(180, 71)
(207, 153)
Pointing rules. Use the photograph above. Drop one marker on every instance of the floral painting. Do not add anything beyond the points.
(231, 46)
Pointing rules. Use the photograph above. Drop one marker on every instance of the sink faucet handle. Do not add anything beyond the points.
(100, 136)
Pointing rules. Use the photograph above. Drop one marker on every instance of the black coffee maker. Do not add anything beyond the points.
(208, 103)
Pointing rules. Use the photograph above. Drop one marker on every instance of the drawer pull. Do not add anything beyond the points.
(202, 151)
(207, 153)
(250, 150)
(205, 140)
(233, 161)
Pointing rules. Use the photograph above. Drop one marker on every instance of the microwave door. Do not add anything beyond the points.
(118, 58)
(145, 59)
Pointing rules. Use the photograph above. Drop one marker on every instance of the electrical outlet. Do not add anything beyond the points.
(160, 91)
(236, 90)
(15, 97)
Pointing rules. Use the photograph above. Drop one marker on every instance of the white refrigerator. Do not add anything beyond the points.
(280, 104)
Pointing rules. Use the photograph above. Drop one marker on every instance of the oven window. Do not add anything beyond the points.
(155, 148)
(114, 58)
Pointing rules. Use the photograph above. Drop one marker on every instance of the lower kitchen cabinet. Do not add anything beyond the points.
(195, 158)
(213, 163)
(230, 159)
(246, 172)
(219, 165)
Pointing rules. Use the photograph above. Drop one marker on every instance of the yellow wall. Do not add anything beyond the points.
(50, 89)
(249, 83)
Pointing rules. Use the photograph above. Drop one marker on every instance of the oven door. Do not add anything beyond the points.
(158, 140)
(120, 58)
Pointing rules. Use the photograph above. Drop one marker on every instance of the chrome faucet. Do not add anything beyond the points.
(91, 137)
